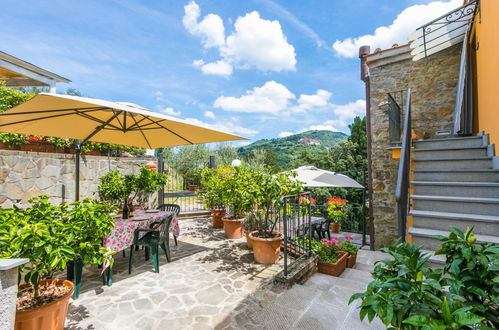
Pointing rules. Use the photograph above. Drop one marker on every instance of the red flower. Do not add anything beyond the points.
(336, 200)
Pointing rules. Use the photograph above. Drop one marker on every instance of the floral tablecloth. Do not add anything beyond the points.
(121, 236)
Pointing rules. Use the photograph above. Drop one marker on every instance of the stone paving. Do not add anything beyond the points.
(208, 279)
(214, 283)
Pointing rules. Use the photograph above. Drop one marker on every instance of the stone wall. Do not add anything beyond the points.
(27, 174)
(433, 83)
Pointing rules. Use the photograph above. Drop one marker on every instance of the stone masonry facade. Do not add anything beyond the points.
(24, 175)
(433, 83)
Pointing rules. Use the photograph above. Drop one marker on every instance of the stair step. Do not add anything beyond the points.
(482, 224)
(467, 175)
(453, 163)
(468, 205)
(423, 236)
(454, 152)
(442, 188)
(469, 141)
(438, 260)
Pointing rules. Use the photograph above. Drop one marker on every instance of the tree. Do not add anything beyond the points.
(225, 153)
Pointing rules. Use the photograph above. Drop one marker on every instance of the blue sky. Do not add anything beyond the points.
(256, 68)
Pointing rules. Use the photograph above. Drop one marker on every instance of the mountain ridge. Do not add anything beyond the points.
(287, 148)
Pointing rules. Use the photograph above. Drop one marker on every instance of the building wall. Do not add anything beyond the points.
(487, 68)
(433, 83)
(27, 174)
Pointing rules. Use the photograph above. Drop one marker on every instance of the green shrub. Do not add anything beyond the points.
(407, 294)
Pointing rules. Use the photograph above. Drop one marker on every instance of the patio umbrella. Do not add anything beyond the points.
(86, 119)
(312, 176)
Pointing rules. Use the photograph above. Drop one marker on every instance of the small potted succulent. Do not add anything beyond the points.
(347, 246)
(211, 182)
(266, 240)
(336, 210)
(239, 190)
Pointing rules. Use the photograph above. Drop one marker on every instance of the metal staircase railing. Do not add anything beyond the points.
(402, 192)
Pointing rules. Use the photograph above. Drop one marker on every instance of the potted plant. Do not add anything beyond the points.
(211, 181)
(239, 191)
(266, 241)
(252, 222)
(40, 235)
(93, 221)
(332, 261)
(336, 210)
(347, 246)
(145, 183)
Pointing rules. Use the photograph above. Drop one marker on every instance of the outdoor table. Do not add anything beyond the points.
(121, 237)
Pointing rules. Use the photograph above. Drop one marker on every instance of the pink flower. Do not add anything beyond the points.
(335, 237)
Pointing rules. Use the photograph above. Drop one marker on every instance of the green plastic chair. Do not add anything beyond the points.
(155, 237)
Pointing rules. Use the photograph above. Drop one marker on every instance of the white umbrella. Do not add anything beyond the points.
(312, 176)
(87, 119)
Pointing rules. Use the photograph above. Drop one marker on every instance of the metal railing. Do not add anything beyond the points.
(404, 171)
(394, 114)
(296, 227)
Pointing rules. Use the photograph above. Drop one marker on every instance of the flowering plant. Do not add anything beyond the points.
(304, 201)
(347, 246)
(336, 209)
(329, 251)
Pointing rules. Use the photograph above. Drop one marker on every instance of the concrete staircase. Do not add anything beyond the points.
(456, 184)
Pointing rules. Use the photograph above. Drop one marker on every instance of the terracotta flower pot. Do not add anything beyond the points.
(351, 260)
(50, 316)
(38, 146)
(233, 228)
(333, 269)
(216, 217)
(266, 250)
(249, 240)
(335, 227)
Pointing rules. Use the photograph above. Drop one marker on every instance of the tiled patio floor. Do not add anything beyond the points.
(213, 283)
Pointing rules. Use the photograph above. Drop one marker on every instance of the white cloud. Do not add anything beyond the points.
(210, 29)
(396, 33)
(198, 63)
(285, 134)
(209, 114)
(260, 43)
(318, 100)
(243, 143)
(272, 97)
(327, 126)
(255, 42)
(220, 68)
(226, 126)
(346, 112)
(170, 111)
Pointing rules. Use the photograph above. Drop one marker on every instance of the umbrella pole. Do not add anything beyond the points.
(77, 170)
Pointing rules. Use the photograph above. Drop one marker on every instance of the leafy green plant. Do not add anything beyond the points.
(347, 246)
(473, 268)
(407, 294)
(269, 188)
(114, 187)
(90, 222)
(211, 183)
(39, 234)
(239, 189)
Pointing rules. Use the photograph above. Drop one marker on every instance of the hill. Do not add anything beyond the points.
(287, 147)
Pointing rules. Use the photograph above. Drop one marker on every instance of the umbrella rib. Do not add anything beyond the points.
(84, 115)
(44, 111)
(169, 130)
(47, 117)
(137, 123)
(99, 128)
(145, 138)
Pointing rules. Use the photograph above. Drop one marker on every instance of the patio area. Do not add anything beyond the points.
(214, 283)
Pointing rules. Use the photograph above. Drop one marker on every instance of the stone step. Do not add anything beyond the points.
(436, 261)
(442, 188)
(357, 275)
(482, 224)
(423, 236)
(482, 175)
(455, 204)
(469, 141)
(453, 163)
(431, 153)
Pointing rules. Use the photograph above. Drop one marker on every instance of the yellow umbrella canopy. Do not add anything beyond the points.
(88, 119)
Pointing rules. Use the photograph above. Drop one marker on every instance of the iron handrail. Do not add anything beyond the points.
(404, 171)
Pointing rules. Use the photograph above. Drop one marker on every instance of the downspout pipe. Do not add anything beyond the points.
(364, 76)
